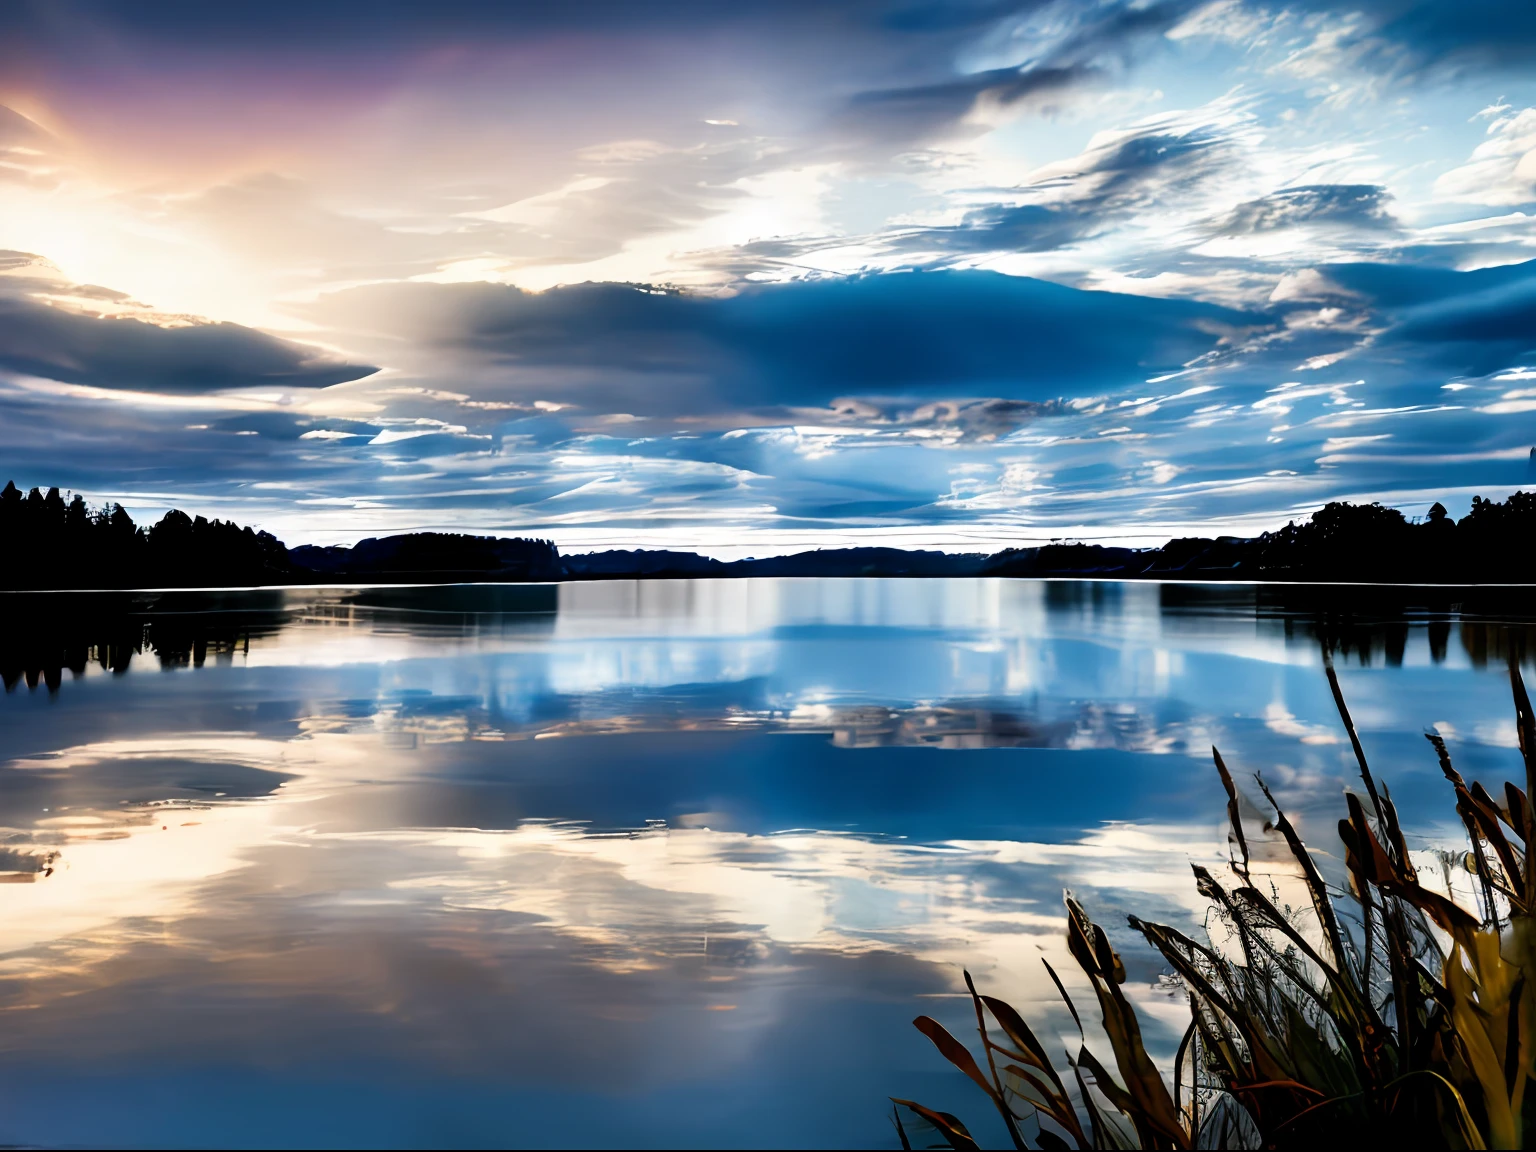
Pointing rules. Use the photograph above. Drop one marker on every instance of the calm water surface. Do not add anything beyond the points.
(634, 864)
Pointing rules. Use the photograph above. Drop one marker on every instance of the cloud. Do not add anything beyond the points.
(247, 163)
(44, 332)
(23, 150)
(282, 22)
(1352, 206)
(1020, 228)
(1464, 35)
(1160, 164)
(1412, 40)
(280, 219)
(844, 72)
(1482, 330)
(1470, 322)
(1395, 286)
(18, 131)
(1502, 169)
(1059, 48)
(1117, 164)
(925, 335)
(963, 421)
(920, 110)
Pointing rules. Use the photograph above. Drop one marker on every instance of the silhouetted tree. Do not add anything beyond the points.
(53, 543)
(1499, 539)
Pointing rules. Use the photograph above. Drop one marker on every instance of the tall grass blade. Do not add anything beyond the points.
(1366, 1031)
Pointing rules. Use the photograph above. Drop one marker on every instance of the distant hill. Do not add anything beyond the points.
(627, 564)
(51, 543)
(429, 558)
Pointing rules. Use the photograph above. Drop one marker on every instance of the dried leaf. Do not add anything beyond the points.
(946, 1125)
(953, 1051)
(1234, 814)
(1071, 1007)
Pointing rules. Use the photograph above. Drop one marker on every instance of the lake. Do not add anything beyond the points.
(643, 864)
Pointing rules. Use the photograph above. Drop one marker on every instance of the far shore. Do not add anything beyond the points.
(54, 545)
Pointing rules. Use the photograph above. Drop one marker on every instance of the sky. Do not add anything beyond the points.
(762, 276)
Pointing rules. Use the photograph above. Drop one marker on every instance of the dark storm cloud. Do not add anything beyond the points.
(1340, 205)
(927, 334)
(58, 343)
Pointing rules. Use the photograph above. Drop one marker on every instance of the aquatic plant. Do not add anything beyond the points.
(1384, 1011)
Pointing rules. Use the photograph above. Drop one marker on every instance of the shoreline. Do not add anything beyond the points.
(1171, 579)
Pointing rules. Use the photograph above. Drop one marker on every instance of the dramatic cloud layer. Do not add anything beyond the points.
(933, 335)
(57, 332)
(763, 274)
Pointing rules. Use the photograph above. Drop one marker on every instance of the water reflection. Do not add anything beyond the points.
(657, 863)
(48, 634)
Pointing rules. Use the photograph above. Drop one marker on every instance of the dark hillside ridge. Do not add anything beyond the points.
(48, 543)
(430, 558)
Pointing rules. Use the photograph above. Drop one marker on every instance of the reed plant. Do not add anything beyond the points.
(1380, 1011)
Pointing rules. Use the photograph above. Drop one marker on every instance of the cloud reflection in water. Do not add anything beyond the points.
(690, 854)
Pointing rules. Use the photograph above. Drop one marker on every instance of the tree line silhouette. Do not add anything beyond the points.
(53, 543)
(1494, 543)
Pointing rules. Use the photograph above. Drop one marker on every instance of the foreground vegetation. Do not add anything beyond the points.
(1386, 1012)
